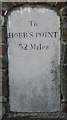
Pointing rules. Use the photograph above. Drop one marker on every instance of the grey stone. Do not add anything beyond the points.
(0, 111)
(34, 60)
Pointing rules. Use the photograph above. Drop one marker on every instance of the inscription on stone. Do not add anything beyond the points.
(34, 60)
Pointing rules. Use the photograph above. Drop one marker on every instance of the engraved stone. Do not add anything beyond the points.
(34, 59)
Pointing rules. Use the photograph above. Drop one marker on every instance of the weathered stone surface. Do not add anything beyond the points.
(0, 74)
(64, 25)
(0, 111)
(34, 59)
(65, 55)
(0, 88)
(4, 33)
(35, 118)
(0, 35)
(2, 48)
(4, 88)
(33, 0)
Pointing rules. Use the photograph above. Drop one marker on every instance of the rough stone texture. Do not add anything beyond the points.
(9, 5)
(4, 87)
(2, 48)
(33, 119)
(37, 115)
(65, 56)
(57, 6)
(0, 111)
(33, 0)
(0, 87)
(0, 35)
(0, 65)
(0, 74)
(64, 61)
(4, 34)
